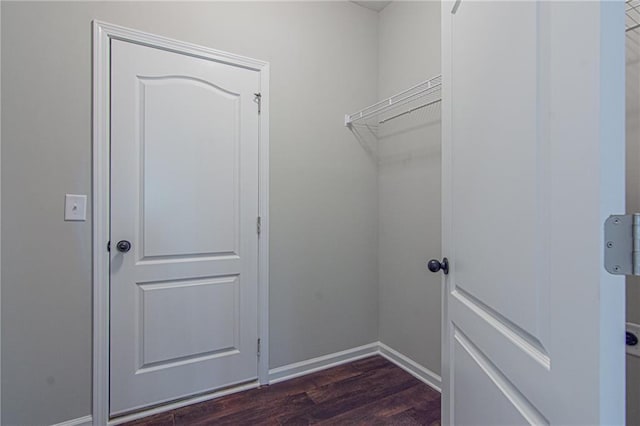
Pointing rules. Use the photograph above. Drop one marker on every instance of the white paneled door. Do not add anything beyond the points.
(533, 160)
(184, 243)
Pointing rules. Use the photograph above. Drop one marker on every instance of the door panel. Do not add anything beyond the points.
(177, 175)
(498, 286)
(208, 308)
(184, 191)
(531, 322)
(497, 115)
(474, 372)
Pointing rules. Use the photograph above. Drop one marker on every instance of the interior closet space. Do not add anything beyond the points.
(269, 187)
(354, 211)
(401, 133)
(409, 183)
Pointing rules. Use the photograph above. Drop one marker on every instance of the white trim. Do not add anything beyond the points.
(302, 368)
(0, 235)
(312, 365)
(263, 241)
(80, 421)
(299, 369)
(117, 32)
(179, 404)
(410, 366)
(100, 176)
(103, 33)
(448, 9)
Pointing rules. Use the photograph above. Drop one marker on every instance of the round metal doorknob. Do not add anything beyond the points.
(123, 246)
(435, 265)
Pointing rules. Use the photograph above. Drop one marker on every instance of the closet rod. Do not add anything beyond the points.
(409, 112)
(411, 94)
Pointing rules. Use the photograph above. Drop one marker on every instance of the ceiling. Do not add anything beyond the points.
(376, 5)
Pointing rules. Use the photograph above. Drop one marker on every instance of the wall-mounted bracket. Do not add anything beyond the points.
(622, 244)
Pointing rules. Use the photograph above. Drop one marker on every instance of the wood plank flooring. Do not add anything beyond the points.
(371, 391)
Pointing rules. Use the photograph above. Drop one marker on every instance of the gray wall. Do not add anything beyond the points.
(633, 206)
(324, 284)
(409, 186)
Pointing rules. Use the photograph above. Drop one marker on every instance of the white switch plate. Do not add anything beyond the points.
(635, 329)
(75, 207)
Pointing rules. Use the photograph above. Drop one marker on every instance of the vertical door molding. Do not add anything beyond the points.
(447, 8)
(103, 33)
(0, 226)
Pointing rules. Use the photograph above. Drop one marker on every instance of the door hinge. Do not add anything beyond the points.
(109, 246)
(259, 225)
(258, 99)
(258, 347)
(622, 244)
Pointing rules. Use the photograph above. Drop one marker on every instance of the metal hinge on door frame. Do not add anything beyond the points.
(258, 348)
(259, 225)
(622, 244)
(259, 100)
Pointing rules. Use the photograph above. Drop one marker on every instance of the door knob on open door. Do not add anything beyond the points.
(123, 246)
(435, 265)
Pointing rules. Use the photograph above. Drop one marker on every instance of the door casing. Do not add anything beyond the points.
(103, 33)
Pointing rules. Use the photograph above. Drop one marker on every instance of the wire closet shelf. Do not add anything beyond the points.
(632, 10)
(427, 89)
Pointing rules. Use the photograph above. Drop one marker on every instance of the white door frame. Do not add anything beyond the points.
(103, 33)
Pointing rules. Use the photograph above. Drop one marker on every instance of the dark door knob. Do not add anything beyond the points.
(435, 265)
(123, 246)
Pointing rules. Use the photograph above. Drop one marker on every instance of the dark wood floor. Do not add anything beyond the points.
(371, 391)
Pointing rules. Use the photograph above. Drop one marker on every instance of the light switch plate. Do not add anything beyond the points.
(634, 329)
(75, 207)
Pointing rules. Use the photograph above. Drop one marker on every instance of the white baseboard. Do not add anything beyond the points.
(183, 403)
(80, 421)
(312, 365)
(411, 367)
(292, 371)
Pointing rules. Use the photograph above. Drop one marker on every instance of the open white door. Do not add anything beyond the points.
(533, 161)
